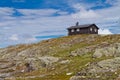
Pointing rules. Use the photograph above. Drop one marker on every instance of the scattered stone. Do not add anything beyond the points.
(68, 74)
(75, 78)
(48, 60)
(65, 62)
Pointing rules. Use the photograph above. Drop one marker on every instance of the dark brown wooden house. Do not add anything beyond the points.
(83, 29)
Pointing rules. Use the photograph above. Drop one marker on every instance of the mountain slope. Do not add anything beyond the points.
(71, 57)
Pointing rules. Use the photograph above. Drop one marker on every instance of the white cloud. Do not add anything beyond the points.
(27, 38)
(6, 11)
(62, 13)
(37, 12)
(104, 31)
(86, 14)
(14, 37)
(25, 28)
(81, 6)
(84, 11)
(111, 2)
(21, 38)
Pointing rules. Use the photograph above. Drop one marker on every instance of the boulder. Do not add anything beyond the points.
(109, 65)
(112, 50)
(4, 75)
(97, 54)
(48, 60)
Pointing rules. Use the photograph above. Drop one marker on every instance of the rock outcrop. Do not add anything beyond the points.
(86, 56)
(112, 50)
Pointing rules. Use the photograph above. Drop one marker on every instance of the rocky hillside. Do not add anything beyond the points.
(80, 57)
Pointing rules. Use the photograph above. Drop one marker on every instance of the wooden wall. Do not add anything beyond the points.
(86, 30)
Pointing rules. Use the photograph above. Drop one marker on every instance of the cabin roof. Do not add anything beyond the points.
(82, 26)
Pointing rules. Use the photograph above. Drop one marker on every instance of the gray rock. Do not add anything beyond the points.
(81, 51)
(2, 79)
(109, 65)
(97, 54)
(48, 60)
(112, 50)
(78, 78)
(65, 62)
(4, 75)
(3, 66)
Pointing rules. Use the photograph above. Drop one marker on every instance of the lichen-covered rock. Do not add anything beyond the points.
(82, 51)
(97, 54)
(109, 65)
(112, 50)
(104, 68)
(4, 75)
(48, 60)
(65, 61)
(75, 78)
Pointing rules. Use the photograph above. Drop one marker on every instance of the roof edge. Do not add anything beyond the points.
(87, 25)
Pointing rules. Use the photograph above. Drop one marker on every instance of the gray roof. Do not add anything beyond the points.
(81, 26)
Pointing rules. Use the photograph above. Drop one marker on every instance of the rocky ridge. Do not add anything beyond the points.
(67, 58)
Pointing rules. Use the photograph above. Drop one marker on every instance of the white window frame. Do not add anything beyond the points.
(72, 30)
(95, 30)
(91, 29)
(78, 30)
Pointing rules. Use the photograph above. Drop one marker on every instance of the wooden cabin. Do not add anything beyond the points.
(83, 29)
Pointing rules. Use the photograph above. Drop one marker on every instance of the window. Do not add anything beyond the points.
(95, 30)
(72, 30)
(91, 29)
(78, 30)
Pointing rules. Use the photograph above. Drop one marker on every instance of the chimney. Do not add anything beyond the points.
(77, 23)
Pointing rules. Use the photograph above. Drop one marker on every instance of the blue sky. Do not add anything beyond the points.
(28, 21)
